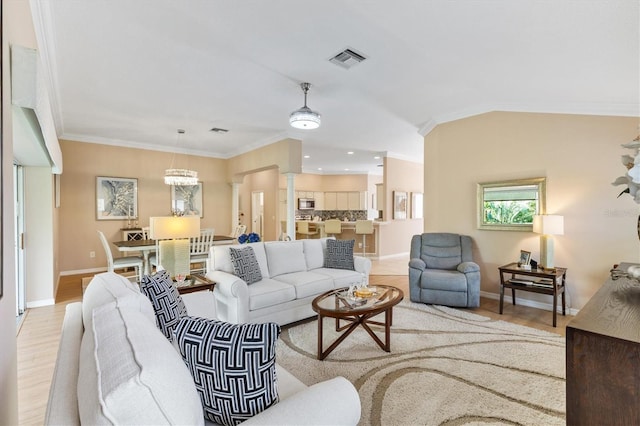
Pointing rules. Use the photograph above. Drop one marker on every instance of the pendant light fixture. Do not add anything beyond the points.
(304, 118)
(180, 177)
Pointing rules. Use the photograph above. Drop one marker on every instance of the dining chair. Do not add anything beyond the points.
(136, 262)
(240, 229)
(200, 250)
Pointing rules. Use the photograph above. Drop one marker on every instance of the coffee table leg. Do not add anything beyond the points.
(387, 329)
(320, 317)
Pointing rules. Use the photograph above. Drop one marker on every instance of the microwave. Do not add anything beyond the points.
(306, 204)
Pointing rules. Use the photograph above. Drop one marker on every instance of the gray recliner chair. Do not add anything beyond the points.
(442, 271)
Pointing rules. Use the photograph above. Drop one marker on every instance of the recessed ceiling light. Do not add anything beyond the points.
(377, 157)
(307, 156)
(350, 152)
(346, 170)
(319, 168)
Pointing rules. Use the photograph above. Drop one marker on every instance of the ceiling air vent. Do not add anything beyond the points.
(218, 130)
(347, 58)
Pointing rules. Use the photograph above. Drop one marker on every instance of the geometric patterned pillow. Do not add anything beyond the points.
(339, 254)
(245, 264)
(233, 366)
(166, 301)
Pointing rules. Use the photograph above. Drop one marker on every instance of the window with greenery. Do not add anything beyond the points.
(510, 205)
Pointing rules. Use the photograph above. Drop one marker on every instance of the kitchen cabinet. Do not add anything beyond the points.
(380, 196)
(319, 198)
(342, 201)
(330, 201)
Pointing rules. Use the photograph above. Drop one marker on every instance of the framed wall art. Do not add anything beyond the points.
(399, 204)
(116, 198)
(416, 205)
(187, 200)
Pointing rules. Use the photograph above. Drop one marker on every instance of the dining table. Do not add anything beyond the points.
(147, 246)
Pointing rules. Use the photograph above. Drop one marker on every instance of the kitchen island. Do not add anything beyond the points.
(349, 233)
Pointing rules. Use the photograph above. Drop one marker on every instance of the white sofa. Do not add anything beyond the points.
(292, 276)
(114, 366)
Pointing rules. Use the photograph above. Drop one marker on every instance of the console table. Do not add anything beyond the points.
(603, 357)
(537, 281)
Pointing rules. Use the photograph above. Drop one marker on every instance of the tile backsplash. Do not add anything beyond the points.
(350, 215)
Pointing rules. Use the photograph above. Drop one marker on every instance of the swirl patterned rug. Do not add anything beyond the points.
(446, 367)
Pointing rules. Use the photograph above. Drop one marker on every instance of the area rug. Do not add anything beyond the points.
(446, 367)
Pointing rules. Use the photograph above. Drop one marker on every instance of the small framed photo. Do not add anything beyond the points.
(400, 205)
(187, 200)
(525, 258)
(116, 198)
(416, 205)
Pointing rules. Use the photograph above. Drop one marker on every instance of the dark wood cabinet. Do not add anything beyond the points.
(603, 357)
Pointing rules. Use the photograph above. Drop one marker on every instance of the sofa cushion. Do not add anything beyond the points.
(269, 292)
(130, 374)
(285, 257)
(313, 253)
(245, 264)
(339, 254)
(108, 287)
(233, 366)
(439, 279)
(222, 258)
(166, 301)
(342, 277)
(307, 283)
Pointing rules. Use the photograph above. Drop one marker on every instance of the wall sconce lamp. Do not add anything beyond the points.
(547, 225)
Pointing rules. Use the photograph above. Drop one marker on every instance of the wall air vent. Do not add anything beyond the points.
(347, 58)
(218, 130)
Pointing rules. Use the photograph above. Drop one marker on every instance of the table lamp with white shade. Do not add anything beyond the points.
(173, 234)
(547, 225)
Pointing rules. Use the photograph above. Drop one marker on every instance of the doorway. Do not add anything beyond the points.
(257, 213)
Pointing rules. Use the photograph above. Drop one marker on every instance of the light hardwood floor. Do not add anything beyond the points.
(39, 333)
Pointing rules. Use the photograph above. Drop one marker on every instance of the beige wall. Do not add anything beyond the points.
(399, 175)
(579, 156)
(83, 162)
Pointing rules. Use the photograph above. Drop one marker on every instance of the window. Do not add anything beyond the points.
(510, 205)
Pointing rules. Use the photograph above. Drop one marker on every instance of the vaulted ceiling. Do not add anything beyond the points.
(131, 72)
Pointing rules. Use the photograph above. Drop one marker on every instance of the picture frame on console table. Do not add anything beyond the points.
(116, 198)
(187, 200)
(400, 204)
(525, 258)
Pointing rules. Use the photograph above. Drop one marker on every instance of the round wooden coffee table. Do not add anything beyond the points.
(357, 311)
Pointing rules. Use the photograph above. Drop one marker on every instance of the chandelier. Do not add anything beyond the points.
(305, 118)
(180, 177)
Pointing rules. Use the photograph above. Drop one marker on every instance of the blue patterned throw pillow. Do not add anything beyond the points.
(339, 254)
(245, 264)
(233, 366)
(166, 301)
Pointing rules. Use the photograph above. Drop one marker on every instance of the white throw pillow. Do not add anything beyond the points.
(108, 287)
(285, 257)
(129, 373)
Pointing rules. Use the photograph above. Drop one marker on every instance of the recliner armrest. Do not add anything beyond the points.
(416, 263)
(466, 267)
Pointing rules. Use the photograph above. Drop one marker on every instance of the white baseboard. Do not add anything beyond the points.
(40, 303)
(530, 303)
(392, 256)
(83, 271)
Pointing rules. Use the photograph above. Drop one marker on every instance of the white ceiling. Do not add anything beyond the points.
(131, 72)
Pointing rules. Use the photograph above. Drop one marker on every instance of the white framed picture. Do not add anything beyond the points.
(400, 204)
(187, 200)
